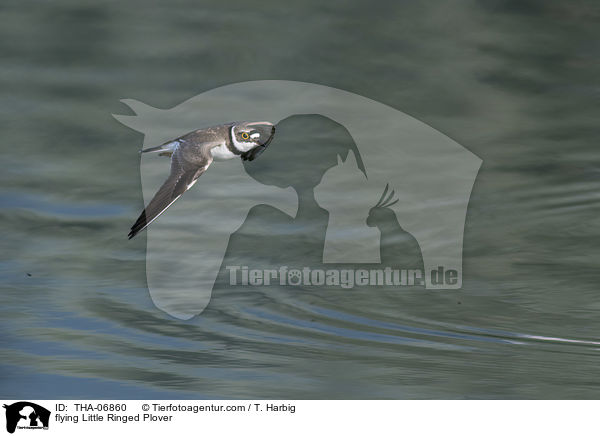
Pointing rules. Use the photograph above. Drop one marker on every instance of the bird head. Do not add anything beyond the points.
(253, 133)
(381, 212)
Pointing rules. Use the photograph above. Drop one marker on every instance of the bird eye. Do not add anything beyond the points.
(245, 135)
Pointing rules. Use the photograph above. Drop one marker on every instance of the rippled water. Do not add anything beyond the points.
(514, 82)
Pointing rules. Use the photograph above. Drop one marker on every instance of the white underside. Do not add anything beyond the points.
(221, 152)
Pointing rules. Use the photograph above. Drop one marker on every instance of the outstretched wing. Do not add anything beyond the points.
(183, 176)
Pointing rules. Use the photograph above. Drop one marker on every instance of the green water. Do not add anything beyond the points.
(514, 82)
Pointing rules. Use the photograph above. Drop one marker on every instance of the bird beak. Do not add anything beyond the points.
(270, 138)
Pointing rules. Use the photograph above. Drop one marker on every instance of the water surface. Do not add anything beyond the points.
(516, 83)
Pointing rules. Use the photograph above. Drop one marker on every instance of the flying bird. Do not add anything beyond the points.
(192, 154)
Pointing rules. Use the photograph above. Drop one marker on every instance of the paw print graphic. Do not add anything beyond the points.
(294, 277)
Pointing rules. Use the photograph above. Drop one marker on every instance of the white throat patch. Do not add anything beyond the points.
(241, 146)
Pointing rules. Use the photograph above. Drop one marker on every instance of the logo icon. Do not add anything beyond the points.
(26, 415)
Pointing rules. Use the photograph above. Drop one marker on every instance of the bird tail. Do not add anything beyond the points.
(166, 148)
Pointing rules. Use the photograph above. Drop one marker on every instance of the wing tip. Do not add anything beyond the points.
(138, 226)
(134, 231)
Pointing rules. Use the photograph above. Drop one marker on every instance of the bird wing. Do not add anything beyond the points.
(183, 176)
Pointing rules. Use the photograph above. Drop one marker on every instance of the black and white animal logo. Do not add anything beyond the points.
(26, 415)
